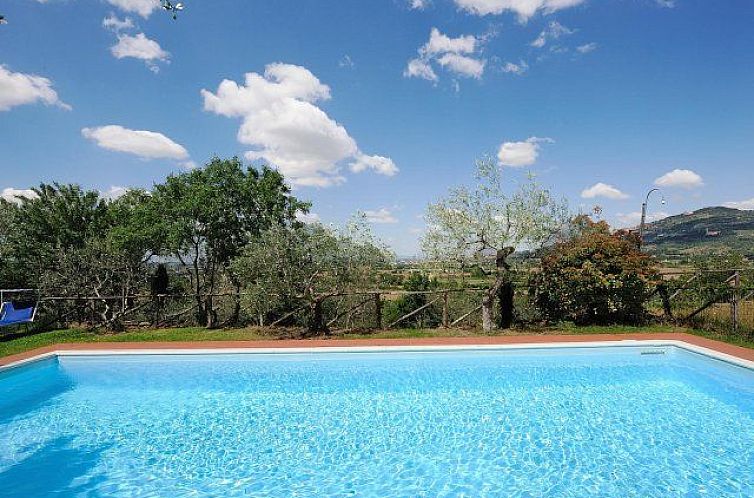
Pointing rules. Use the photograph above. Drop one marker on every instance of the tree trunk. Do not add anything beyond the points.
(211, 314)
(317, 323)
(201, 313)
(236, 315)
(505, 303)
(667, 309)
(487, 302)
(502, 288)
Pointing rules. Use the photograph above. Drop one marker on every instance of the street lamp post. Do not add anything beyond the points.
(644, 214)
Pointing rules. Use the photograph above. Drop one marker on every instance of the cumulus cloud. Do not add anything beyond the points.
(632, 219)
(419, 68)
(15, 195)
(19, 89)
(586, 48)
(140, 47)
(745, 205)
(141, 143)
(517, 69)
(307, 218)
(455, 55)
(518, 154)
(382, 165)
(380, 216)
(418, 4)
(284, 126)
(112, 22)
(114, 192)
(144, 8)
(524, 9)
(553, 31)
(603, 190)
(683, 178)
(441, 44)
(462, 65)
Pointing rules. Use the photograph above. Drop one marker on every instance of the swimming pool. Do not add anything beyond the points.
(580, 421)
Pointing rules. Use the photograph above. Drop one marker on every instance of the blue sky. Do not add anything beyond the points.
(382, 105)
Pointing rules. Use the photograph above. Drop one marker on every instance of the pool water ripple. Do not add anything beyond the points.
(603, 422)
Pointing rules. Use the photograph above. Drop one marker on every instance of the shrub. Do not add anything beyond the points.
(429, 317)
(594, 277)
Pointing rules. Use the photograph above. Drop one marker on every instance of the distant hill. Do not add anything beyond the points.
(709, 228)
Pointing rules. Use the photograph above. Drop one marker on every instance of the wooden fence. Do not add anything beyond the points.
(715, 299)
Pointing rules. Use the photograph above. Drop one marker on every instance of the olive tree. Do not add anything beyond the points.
(291, 268)
(474, 223)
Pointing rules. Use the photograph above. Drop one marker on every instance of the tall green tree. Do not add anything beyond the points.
(58, 219)
(208, 215)
(10, 274)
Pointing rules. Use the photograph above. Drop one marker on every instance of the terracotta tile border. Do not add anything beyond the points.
(721, 347)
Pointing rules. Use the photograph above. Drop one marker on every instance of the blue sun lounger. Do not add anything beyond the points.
(10, 315)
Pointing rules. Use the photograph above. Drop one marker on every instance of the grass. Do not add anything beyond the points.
(26, 343)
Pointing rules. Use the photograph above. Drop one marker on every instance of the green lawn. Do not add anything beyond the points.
(21, 344)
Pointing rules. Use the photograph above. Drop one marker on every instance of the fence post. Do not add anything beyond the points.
(377, 310)
(734, 300)
(445, 318)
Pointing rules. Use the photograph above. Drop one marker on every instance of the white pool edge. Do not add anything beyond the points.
(356, 349)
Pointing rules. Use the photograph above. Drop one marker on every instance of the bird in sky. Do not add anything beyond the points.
(172, 8)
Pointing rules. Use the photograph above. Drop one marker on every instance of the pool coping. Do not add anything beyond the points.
(716, 349)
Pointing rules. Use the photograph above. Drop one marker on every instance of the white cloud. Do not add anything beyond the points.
(144, 144)
(462, 65)
(113, 192)
(307, 218)
(587, 47)
(517, 69)
(382, 165)
(19, 89)
(285, 127)
(419, 68)
(418, 4)
(15, 195)
(632, 219)
(683, 178)
(380, 216)
(523, 8)
(144, 8)
(517, 154)
(603, 190)
(553, 31)
(112, 22)
(140, 47)
(745, 205)
(452, 54)
(668, 4)
(440, 44)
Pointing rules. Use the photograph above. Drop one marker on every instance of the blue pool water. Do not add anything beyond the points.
(608, 422)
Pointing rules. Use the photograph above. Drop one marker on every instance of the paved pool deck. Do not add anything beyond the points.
(718, 346)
